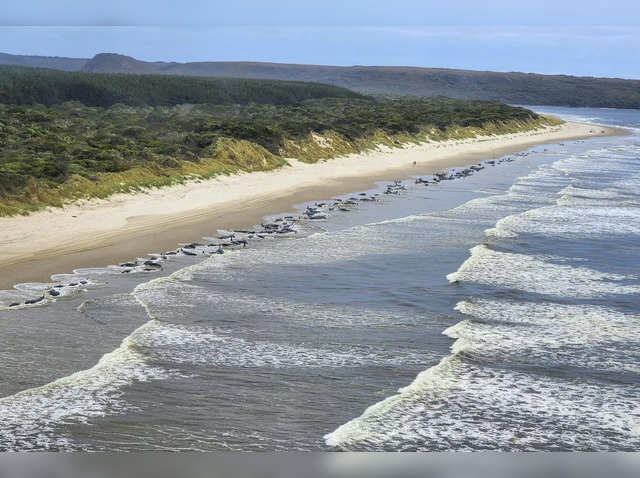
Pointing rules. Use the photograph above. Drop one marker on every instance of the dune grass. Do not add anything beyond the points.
(315, 147)
(52, 156)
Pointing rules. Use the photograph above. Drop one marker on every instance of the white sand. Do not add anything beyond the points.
(88, 224)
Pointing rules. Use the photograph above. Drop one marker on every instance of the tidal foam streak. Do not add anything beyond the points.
(546, 356)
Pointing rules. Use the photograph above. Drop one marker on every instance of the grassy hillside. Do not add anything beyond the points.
(52, 155)
(50, 87)
(518, 88)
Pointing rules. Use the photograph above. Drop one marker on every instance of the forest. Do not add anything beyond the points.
(25, 86)
(56, 151)
(509, 87)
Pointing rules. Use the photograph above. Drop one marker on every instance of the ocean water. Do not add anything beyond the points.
(499, 311)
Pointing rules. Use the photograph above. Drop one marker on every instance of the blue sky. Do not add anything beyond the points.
(575, 37)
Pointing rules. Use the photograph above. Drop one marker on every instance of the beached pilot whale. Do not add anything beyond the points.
(34, 301)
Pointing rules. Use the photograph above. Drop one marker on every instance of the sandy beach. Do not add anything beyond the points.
(102, 232)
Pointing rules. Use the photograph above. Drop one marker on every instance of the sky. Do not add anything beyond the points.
(591, 38)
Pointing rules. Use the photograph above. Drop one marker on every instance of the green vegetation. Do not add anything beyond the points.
(515, 88)
(25, 86)
(512, 87)
(55, 154)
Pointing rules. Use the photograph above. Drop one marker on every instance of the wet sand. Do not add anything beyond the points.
(99, 233)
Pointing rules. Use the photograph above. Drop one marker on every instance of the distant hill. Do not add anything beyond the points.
(55, 62)
(27, 86)
(518, 88)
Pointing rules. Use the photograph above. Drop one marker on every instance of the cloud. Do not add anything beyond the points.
(590, 51)
(326, 13)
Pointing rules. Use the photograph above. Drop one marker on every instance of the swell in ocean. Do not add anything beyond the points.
(280, 344)
(547, 355)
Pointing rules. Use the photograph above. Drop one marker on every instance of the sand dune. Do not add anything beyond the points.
(101, 232)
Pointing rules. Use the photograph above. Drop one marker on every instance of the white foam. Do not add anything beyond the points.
(570, 221)
(598, 196)
(549, 334)
(538, 274)
(401, 220)
(196, 345)
(166, 297)
(362, 429)
(459, 405)
(29, 418)
(463, 406)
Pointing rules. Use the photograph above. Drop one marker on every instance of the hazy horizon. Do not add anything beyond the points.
(576, 38)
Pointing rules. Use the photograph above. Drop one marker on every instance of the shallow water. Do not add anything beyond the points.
(498, 311)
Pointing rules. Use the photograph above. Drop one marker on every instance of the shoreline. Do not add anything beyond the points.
(101, 232)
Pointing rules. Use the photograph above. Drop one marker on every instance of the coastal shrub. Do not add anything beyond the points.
(67, 151)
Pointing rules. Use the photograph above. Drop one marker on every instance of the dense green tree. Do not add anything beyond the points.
(57, 127)
(23, 86)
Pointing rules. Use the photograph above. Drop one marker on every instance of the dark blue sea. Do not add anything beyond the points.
(499, 311)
